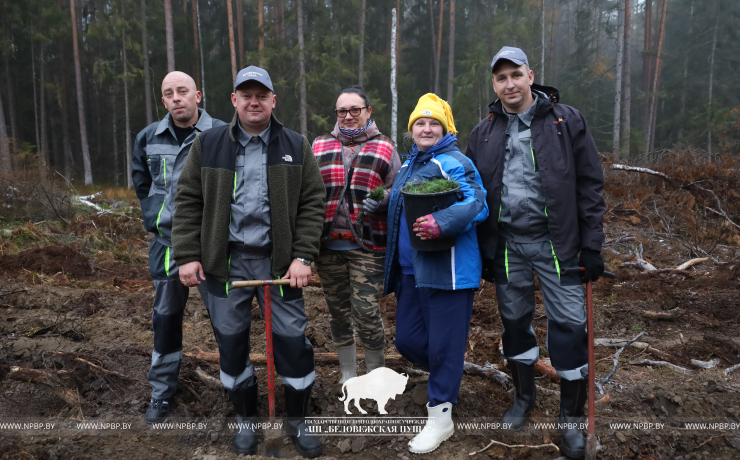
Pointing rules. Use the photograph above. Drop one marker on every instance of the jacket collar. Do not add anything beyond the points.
(547, 96)
(204, 122)
(275, 127)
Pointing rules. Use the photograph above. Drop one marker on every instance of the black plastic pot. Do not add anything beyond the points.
(417, 205)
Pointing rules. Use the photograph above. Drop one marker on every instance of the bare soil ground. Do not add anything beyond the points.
(83, 315)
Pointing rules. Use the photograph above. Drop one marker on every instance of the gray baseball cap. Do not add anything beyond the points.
(509, 53)
(253, 73)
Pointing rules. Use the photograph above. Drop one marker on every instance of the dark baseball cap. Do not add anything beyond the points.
(509, 53)
(253, 73)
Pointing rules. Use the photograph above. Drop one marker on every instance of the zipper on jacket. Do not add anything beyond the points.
(159, 214)
(557, 265)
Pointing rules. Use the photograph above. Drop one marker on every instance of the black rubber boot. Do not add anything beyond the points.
(296, 408)
(157, 410)
(573, 395)
(525, 393)
(245, 399)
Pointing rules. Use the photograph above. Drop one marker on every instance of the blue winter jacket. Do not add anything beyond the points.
(460, 266)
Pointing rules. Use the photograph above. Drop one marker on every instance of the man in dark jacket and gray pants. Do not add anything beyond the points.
(543, 175)
(250, 206)
(160, 151)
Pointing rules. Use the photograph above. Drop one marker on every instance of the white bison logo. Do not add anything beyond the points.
(381, 385)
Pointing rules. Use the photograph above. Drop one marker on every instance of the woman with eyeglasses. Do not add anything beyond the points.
(354, 159)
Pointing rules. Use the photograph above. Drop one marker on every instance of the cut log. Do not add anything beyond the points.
(664, 315)
(545, 368)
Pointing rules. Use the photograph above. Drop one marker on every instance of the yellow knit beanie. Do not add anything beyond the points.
(431, 106)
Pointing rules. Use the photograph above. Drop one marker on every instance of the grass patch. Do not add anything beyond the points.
(378, 193)
(431, 186)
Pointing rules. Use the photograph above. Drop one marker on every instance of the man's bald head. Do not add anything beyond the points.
(181, 97)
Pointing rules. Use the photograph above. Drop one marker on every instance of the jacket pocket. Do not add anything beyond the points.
(562, 152)
(151, 208)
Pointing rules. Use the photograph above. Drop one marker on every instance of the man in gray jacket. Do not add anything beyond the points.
(160, 151)
(543, 175)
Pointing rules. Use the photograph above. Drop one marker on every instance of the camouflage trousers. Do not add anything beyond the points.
(352, 282)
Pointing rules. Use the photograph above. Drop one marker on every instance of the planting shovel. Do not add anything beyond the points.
(273, 435)
(591, 442)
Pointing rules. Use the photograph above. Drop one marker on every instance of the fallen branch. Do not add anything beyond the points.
(605, 400)
(650, 362)
(641, 170)
(106, 371)
(705, 364)
(489, 372)
(673, 271)
(86, 200)
(207, 379)
(52, 380)
(691, 263)
(732, 369)
(513, 446)
(721, 211)
(664, 315)
(615, 360)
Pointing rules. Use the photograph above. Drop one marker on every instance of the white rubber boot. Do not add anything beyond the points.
(374, 359)
(439, 428)
(347, 362)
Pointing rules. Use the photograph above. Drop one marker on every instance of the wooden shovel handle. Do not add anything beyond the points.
(257, 283)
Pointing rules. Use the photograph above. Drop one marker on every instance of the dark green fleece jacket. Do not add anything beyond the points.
(296, 191)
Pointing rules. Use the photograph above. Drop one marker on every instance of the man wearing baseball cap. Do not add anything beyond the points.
(250, 206)
(540, 166)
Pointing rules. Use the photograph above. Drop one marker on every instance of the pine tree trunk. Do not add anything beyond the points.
(10, 89)
(232, 49)
(170, 34)
(394, 88)
(434, 50)
(35, 102)
(361, 74)
(542, 54)
(302, 70)
(261, 28)
(281, 19)
(147, 76)
(116, 166)
(451, 54)
(196, 67)
(80, 103)
(438, 60)
(127, 129)
(711, 81)
(656, 81)
(66, 143)
(240, 31)
(553, 74)
(5, 163)
(647, 61)
(202, 64)
(627, 80)
(618, 84)
(44, 150)
(682, 109)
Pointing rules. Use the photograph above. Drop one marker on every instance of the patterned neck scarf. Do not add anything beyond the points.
(355, 132)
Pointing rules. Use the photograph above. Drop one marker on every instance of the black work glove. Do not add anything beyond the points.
(488, 271)
(593, 263)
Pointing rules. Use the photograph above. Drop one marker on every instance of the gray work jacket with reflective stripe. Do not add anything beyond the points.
(522, 213)
(157, 162)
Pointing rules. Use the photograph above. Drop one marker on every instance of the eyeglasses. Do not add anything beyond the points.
(354, 111)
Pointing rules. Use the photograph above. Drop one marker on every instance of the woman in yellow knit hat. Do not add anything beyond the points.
(434, 289)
